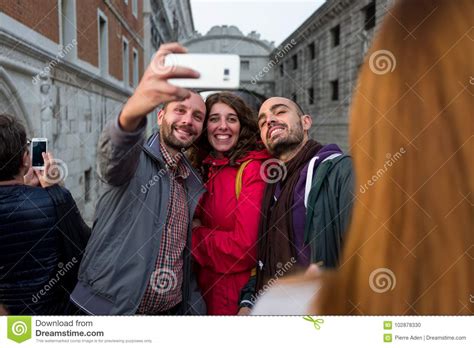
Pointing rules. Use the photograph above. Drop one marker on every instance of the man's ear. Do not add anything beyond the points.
(26, 157)
(161, 114)
(26, 161)
(307, 121)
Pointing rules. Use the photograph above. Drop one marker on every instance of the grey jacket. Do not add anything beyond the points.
(121, 254)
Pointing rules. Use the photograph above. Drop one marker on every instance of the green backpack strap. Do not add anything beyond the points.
(238, 178)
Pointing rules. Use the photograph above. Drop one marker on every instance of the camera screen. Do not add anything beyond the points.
(38, 147)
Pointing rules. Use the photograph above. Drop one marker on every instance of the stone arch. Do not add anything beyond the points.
(10, 100)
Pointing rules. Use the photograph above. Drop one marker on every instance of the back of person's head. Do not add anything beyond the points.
(13, 144)
(409, 249)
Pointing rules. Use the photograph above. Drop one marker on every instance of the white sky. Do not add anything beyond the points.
(274, 20)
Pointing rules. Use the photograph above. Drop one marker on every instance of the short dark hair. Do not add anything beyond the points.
(13, 144)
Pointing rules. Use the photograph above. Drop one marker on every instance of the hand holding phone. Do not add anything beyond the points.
(31, 178)
(52, 172)
(217, 71)
(38, 146)
(154, 88)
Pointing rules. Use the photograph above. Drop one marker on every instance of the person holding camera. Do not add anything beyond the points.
(42, 234)
(138, 260)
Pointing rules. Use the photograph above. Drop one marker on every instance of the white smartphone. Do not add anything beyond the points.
(38, 146)
(219, 71)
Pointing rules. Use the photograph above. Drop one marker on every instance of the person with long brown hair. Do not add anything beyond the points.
(226, 222)
(410, 245)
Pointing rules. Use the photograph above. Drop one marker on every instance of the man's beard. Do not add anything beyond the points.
(170, 139)
(291, 142)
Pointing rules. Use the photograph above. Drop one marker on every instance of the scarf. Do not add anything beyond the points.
(275, 246)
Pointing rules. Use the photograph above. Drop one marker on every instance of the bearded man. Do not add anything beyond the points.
(138, 258)
(307, 202)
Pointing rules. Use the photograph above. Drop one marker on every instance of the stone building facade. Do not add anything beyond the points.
(164, 21)
(317, 65)
(253, 52)
(65, 70)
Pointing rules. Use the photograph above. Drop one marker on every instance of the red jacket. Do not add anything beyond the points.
(225, 246)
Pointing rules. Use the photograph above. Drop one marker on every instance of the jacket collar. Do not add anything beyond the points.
(152, 148)
(251, 155)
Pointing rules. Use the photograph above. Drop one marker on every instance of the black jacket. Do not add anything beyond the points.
(41, 237)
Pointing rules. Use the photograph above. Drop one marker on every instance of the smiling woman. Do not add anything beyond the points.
(223, 128)
(226, 220)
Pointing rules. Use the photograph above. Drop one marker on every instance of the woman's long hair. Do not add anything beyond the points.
(410, 246)
(248, 136)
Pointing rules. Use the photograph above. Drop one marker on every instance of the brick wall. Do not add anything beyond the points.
(87, 25)
(73, 109)
(42, 18)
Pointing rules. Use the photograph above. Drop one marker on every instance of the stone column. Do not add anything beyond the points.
(49, 95)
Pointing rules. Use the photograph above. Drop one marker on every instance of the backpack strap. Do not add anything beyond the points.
(309, 176)
(309, 180)
(238, 189)
(238, 178)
